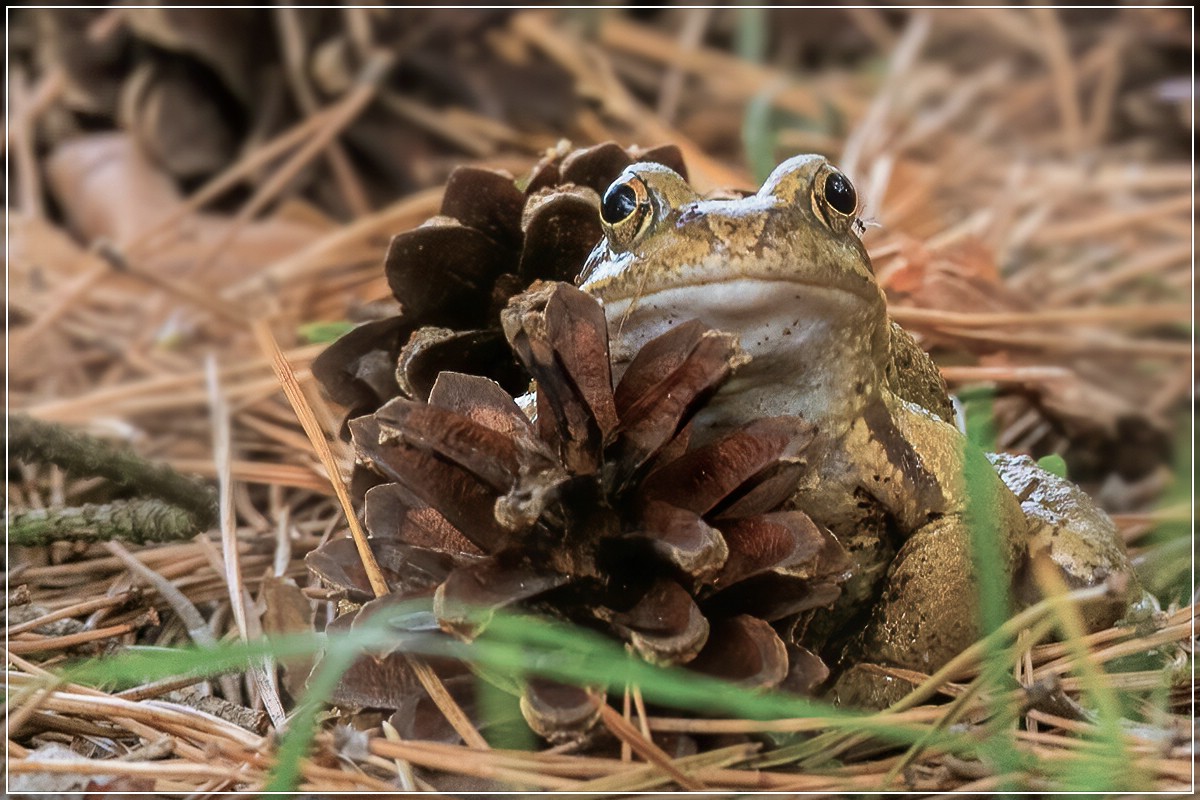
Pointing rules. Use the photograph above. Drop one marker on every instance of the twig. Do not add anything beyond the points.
(645, 748)
(291, 37)
(41, 645)
(695, 22)
(346, 111)
(291, 387)
(226, 180)
(1066, 81)
(197, 628)
(1150, 314)
(227, 310)
(29, 190)
(86, 607)
(262, 670)
(84, 456)
(320, 445)
(133, 521)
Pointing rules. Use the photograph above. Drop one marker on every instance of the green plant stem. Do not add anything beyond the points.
(827, 745)
(133, 521)
(81, 455)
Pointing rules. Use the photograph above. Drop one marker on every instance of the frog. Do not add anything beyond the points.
(785, 269)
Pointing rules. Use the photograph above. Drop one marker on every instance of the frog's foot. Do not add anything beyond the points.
(929, 611)
(1066, 527)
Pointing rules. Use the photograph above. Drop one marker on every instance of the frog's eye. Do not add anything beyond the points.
(619, 203)
(840, 194)
(625, 210)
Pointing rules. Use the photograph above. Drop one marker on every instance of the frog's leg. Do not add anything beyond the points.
(929, 611)
(1066, 526)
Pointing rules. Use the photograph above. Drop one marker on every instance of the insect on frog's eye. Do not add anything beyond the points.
(625, 211)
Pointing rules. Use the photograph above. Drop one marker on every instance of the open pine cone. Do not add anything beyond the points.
(597, 512)
(454, 274)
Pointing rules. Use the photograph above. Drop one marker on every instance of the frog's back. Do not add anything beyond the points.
(912, 376)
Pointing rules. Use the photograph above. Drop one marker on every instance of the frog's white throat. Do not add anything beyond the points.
(814, 351)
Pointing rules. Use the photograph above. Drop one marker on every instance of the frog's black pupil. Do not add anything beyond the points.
(619, 202)
(840, 194)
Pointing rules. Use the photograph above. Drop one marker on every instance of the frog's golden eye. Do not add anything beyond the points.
(840, 194)
(625, 210)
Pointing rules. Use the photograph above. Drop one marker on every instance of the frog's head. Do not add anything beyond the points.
(783, 268)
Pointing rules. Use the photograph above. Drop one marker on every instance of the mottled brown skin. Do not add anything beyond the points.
(786, 271)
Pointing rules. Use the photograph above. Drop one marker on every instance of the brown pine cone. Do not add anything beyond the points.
(597, 512)
(454, 274)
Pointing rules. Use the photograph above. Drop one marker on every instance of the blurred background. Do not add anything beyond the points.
(176, 173)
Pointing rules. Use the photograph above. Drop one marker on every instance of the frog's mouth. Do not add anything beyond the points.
(771, 317)
(812, 347)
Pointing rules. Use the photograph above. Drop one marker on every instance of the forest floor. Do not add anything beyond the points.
(202, 199)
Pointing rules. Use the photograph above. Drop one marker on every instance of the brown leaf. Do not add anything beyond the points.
(765, 492)
(176, 118)
(359, 369)
(773, 596)
(405, 567)
(651, 417)
(418, 718)
(92, 67)
(372, 681)
(83, 173)
(482, 401)
(703, 478)
(561, 229)
(745, 650)
(596, 166)
(658, 358)
(205, 33)
(806, 671)
(389, 512)
(119, 786)
(430, 351)
(546, 173)
(287, 610)
(669, 155)
(577, 330)
(566, 419)
(786, 540)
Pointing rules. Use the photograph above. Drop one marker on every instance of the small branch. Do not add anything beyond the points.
(133, 521)
(85, 456)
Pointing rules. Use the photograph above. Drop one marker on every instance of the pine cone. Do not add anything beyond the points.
(597, 512)
(454, 274)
